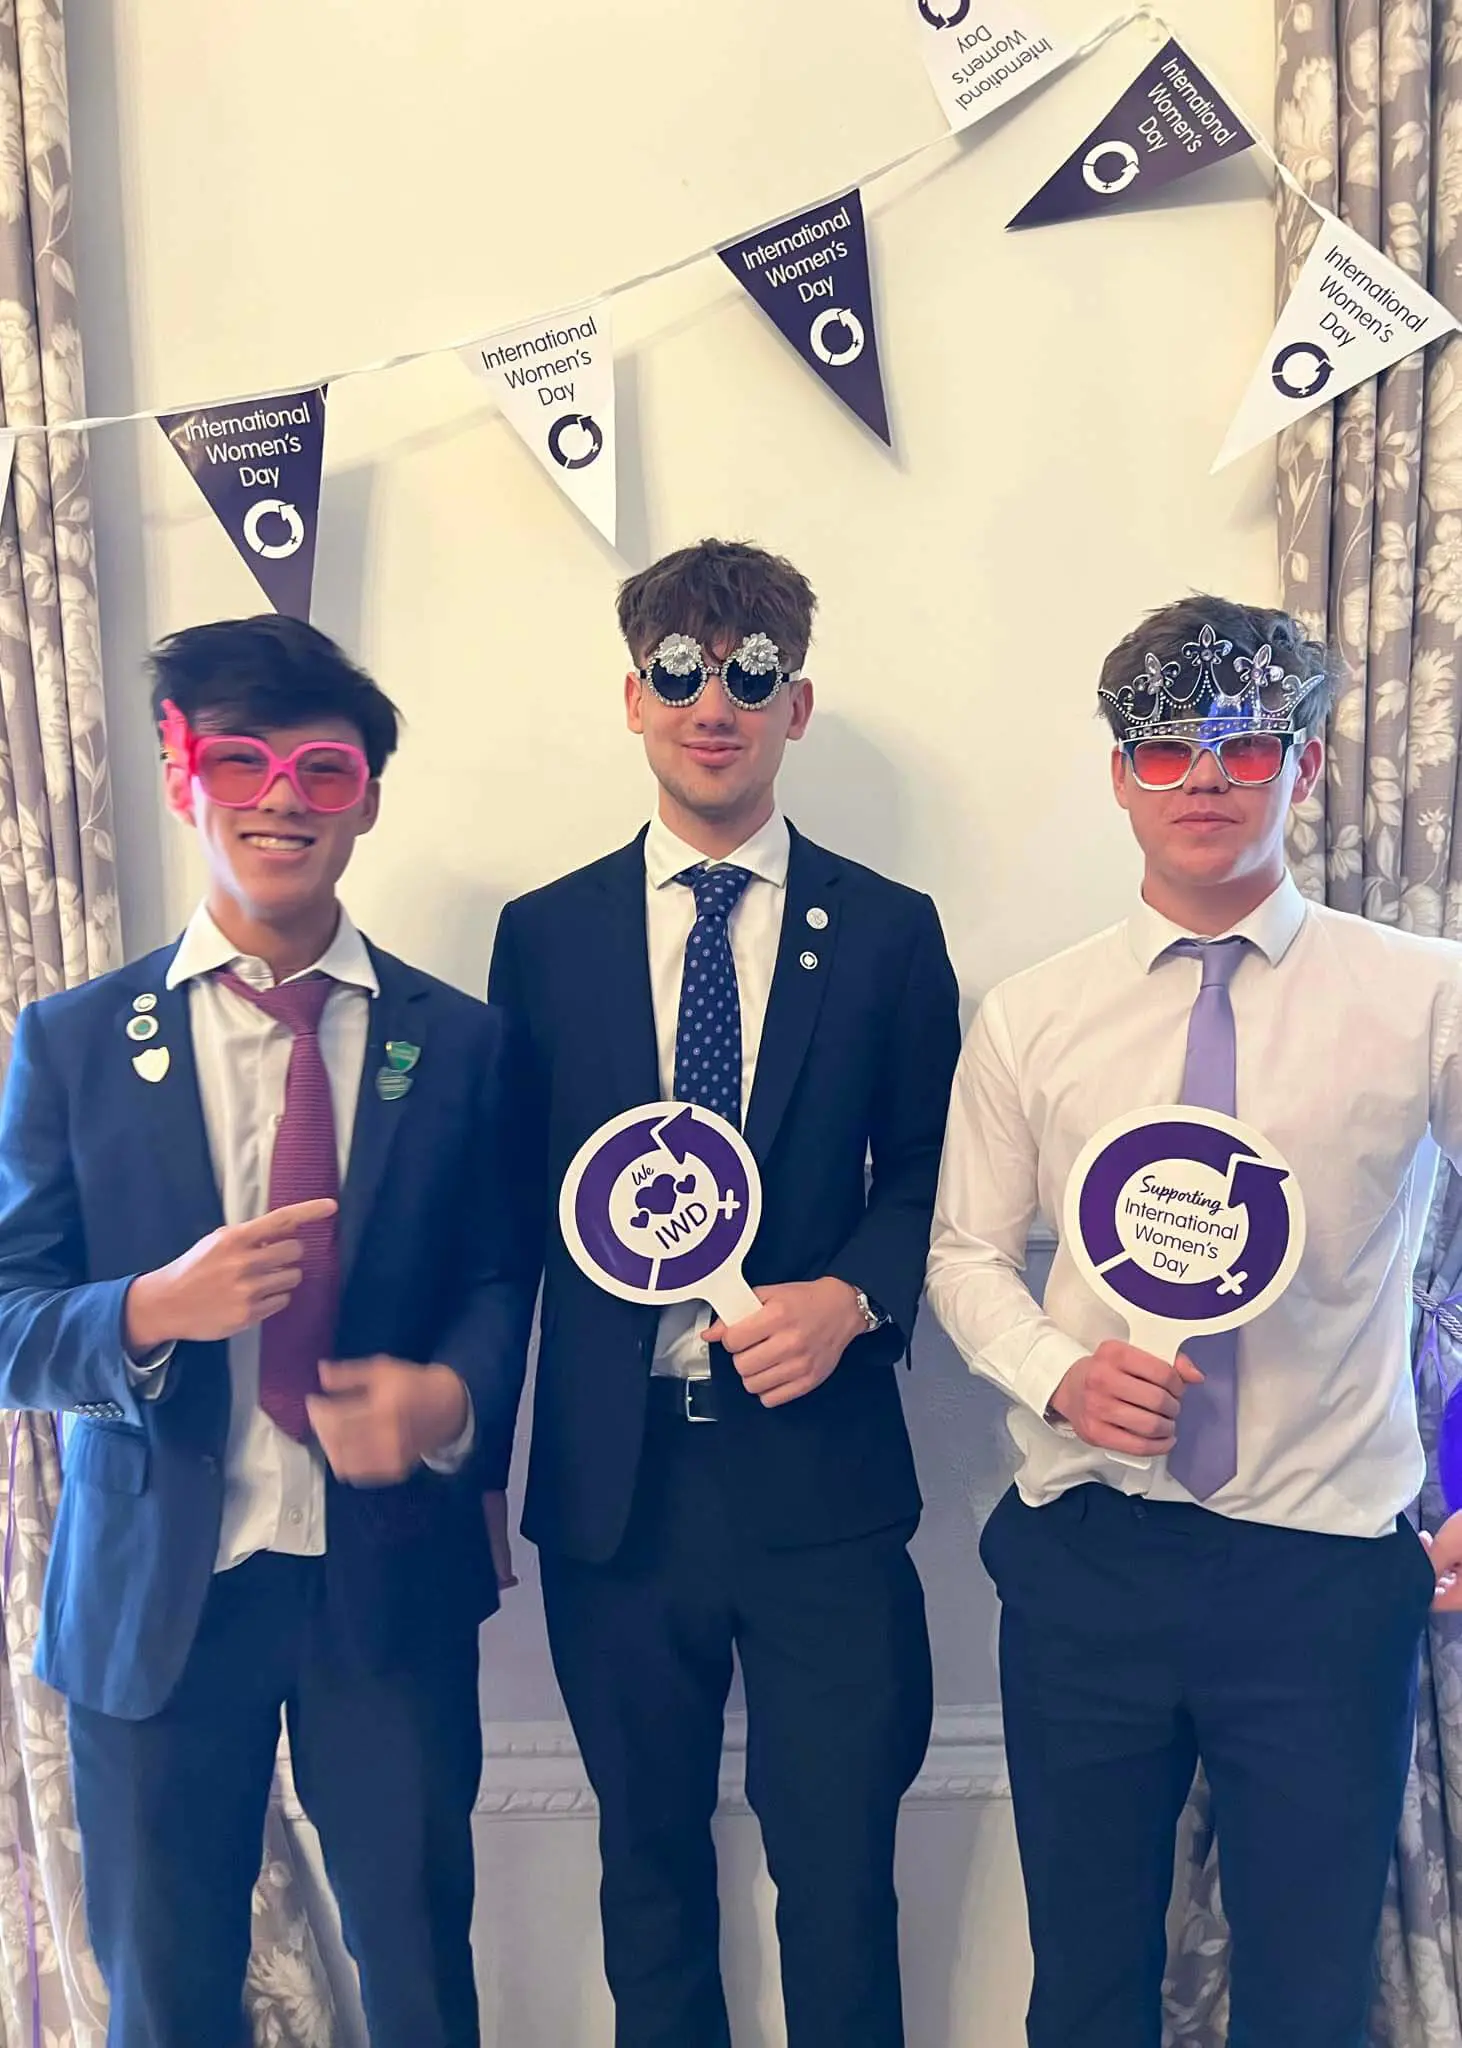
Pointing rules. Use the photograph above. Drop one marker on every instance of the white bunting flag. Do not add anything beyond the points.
(554, 380)
(981, 53)
(1350, 315)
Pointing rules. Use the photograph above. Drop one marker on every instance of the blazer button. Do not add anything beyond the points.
(210, 1463)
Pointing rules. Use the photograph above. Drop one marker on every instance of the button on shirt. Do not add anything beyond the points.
(755, 930)
(1349, 1039)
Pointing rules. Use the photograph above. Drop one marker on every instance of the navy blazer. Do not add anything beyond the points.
(856, 1060)
(103, 1176)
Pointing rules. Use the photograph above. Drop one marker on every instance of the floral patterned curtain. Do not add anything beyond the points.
(58, 926)
(1369, 120)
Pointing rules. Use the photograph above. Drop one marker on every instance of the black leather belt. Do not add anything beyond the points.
(684, 1400)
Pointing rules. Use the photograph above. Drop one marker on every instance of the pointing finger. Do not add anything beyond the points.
(284, 1222)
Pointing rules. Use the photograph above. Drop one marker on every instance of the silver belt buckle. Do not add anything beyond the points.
(690, 1414)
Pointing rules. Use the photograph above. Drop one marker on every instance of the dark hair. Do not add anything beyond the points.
(1249, 626)
(718, 589)
(267, 672)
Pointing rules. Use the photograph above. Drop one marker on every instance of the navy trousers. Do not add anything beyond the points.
(835, 1657)
(1137, 1638)
(172, 1809)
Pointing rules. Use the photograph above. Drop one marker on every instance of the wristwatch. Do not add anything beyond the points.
(875, 1318)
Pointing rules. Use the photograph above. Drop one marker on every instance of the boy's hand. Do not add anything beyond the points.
(1123, 1399)
(228, 1281)
(793, 1343)
(379, 1417)
(1445, 1552)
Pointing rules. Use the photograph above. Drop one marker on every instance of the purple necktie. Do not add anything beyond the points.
(305, 1167)
(1206, 1454)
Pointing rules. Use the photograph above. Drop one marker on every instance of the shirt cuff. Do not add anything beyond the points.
(1049, 1360)
(148, 1375)
(453, 1456)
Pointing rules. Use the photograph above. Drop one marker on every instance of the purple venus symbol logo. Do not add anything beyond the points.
(1184, 1221)
(659, 1205)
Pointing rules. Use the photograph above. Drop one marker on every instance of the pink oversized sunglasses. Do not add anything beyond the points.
(236, 769)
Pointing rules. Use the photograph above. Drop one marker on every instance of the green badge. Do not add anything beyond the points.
(401, 1055)
(391, 1087)
(142, 1027)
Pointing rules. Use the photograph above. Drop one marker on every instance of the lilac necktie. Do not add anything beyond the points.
(305, 1167)
(1206, 1454)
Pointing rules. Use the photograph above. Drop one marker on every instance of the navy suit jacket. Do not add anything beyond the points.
(103, 1176)
(856, 1059)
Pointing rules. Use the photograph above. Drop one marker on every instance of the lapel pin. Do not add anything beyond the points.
(391, 1085)
(401, 1055)
(817, 918)
(142, 1028)
(809, 960)
(152, 1064)
(144, 1003)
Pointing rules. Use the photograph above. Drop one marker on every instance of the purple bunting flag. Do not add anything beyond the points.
(810, 275)
(1170, 122)
(258, 462)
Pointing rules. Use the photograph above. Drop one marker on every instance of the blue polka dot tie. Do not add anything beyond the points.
(708, 1033)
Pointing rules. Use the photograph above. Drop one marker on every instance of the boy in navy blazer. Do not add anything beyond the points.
(699, 1491)
(256, 1237)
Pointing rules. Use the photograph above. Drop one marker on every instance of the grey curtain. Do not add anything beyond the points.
(58, 926)
(1369, 119)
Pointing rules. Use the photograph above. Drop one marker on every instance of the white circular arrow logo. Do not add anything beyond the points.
(1111, 180)
(274, 551)
(852, 326)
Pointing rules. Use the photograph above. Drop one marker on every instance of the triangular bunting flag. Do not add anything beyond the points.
(258, 465)
(809, 273)
(554, 380)
(1351, 313)
(981, 55)
(1170, 122)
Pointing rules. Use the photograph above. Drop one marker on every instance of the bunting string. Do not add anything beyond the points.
(1072, 55)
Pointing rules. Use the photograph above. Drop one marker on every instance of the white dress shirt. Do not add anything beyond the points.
(274, 1486)
(755, 930)
(1348, 1038)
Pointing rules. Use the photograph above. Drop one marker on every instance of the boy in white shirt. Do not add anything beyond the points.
(1210, 1563)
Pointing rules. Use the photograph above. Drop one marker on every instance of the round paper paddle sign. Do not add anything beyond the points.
(659, 1205)
(1185, 1221)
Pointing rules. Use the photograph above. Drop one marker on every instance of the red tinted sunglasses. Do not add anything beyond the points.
(235, 770)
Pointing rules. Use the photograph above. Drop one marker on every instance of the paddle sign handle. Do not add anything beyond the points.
(1162, 1340)
(731, 1296)
(1152, 1334)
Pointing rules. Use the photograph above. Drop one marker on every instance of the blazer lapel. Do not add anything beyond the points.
(619, 990)
(398, 1012)
(169, 1109)
(804, 962)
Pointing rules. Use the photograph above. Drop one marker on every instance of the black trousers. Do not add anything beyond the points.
(1137, 1638)
(172, 1809)
(835, 1658)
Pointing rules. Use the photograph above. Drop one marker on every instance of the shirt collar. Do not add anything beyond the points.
(203, 950)
(1271, 927)
(764, 855)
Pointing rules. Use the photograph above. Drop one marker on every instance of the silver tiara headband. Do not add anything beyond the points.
(1210, 681)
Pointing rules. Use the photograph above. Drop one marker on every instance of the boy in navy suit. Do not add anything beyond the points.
(698, 1491)
(256, 1235)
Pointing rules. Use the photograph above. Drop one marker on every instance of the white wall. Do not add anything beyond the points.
(276, 189)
